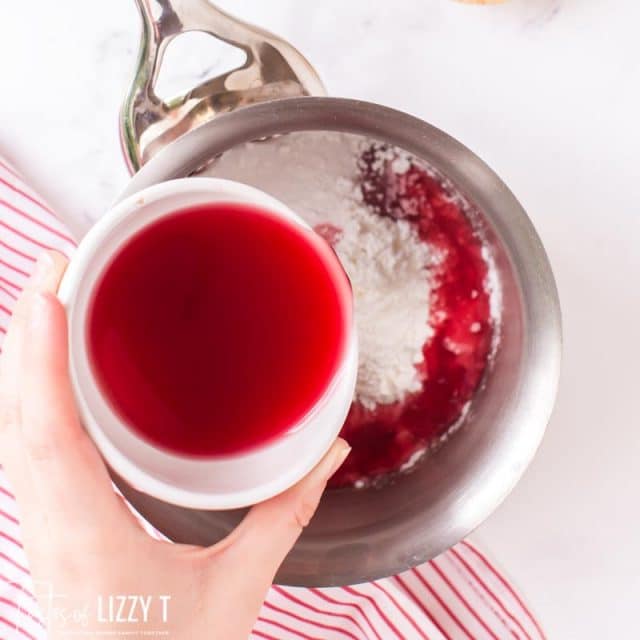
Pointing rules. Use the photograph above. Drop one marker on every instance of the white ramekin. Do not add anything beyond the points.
(213, 483)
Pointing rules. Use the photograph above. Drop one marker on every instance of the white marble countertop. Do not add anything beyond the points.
(548, 93)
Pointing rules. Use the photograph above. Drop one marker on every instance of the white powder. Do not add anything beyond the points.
(387, 266)
(315, 174)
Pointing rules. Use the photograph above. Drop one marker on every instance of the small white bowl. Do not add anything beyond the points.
(205, 483)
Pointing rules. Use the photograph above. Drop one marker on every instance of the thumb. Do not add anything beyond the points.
(263, 539)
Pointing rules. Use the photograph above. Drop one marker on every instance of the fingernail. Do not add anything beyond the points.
(38, 309)
(340, 453)
(44, 265)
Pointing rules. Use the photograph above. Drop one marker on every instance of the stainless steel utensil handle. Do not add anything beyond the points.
(273, 69)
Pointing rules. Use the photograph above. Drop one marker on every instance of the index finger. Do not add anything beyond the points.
(53, 465)
(46, 276)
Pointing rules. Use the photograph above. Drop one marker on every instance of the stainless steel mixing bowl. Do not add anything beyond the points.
(359, 535)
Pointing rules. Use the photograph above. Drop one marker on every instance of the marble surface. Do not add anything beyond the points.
(548, 93)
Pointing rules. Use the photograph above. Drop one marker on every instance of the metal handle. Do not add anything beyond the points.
(273, 69)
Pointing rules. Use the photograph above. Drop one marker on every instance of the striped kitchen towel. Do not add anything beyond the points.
(458, 595)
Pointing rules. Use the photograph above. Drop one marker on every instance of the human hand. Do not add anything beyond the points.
(80, 537)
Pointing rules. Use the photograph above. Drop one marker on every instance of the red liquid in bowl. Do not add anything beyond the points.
(217, 328)
(455, 358)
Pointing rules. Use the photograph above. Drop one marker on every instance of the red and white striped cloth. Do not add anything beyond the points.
(459, 595)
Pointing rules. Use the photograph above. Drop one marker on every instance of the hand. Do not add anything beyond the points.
(79, 535)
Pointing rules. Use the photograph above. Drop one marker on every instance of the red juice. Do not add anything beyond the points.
(217, 328)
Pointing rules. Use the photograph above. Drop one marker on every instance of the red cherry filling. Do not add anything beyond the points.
(455, 357)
